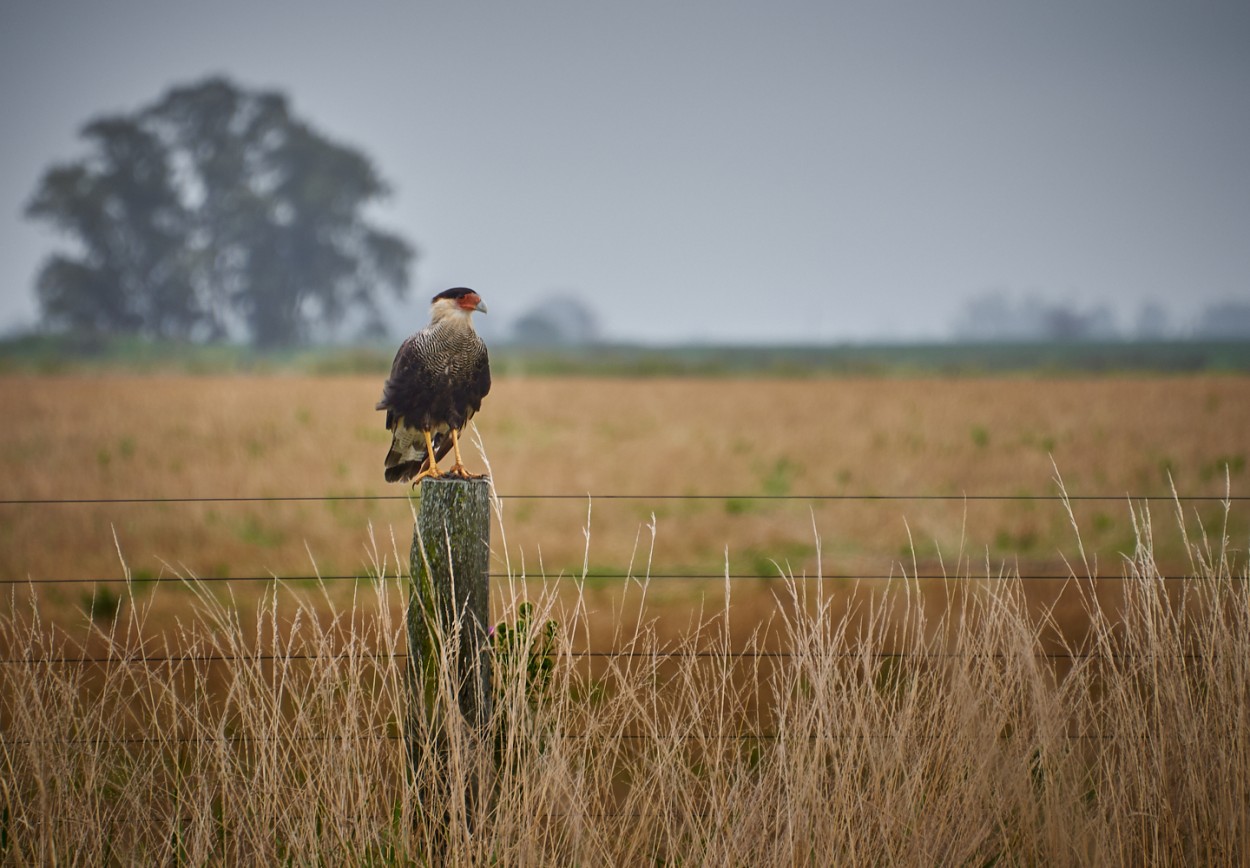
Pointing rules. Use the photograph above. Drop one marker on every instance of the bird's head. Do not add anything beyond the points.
(459, 301)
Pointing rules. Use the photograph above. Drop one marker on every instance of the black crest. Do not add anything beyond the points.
(454, 292)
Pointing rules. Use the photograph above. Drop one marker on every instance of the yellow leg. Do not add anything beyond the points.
(432, 470)
(458, 468)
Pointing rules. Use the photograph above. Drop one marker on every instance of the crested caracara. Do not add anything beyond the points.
(437, 383)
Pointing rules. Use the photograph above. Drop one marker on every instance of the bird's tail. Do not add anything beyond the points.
(403, 471)
(404, 463)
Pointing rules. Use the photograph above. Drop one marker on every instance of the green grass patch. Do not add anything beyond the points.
(61, 353)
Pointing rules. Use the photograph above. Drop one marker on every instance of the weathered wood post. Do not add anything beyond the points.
(448, 619)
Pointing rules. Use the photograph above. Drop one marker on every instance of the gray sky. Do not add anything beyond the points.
(715, 170)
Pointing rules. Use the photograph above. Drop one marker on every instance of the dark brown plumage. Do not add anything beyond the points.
(437, 383)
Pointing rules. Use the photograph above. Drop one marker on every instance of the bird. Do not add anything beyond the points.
(438, 380)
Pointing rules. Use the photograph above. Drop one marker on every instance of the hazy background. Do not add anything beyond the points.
(716, 171)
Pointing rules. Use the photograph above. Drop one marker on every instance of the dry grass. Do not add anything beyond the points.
(1102, 717)
(888, 731)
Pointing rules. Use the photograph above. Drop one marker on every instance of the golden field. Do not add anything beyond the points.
(134, 437)
(996, 718)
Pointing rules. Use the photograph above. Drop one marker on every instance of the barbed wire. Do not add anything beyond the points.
(576, 575)
(1086, 498)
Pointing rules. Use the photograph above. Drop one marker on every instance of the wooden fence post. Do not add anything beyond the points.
(448, 616)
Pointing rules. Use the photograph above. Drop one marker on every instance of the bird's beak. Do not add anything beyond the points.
(481, 307)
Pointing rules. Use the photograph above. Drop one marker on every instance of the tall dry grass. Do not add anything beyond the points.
(884, 731)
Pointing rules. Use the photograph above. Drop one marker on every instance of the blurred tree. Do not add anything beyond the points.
(998, 315)
(562, 319)
(1152, 322)
(214, 212)
(122, 207)
(1225, 320)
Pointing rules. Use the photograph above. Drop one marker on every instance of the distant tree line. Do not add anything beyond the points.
(996, 315)
(212, 213)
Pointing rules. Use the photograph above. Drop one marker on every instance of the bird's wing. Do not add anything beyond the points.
(479, 379)
(406, 391)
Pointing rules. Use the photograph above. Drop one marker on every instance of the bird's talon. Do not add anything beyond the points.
(430, 472)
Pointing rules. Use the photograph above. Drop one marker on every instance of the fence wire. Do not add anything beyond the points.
(1187, 498)
(578, 575)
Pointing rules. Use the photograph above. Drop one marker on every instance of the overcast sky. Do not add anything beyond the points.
(715, 170)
